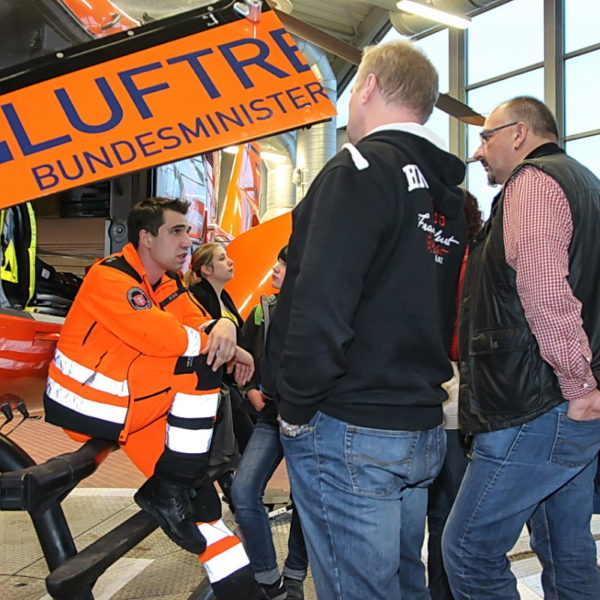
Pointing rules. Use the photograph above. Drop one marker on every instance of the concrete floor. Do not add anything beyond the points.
(156, 569)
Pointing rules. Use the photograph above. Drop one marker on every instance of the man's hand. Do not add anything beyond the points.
(257, 399)
(242, 366)
(220, 348)
(585, 408)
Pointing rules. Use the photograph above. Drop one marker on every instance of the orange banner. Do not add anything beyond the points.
(228, 85)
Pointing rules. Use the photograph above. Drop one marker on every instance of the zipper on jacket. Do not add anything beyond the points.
(153, 395)
(87, 335)
(100, 359)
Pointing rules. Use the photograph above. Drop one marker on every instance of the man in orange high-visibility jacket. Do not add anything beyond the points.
(139, 362)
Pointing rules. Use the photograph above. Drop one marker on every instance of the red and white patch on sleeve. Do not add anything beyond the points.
(138, 299)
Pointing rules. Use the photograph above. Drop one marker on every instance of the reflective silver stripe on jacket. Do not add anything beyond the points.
(188, 441)
(227, 562)
(194, 342)
(89, 377)
(195, 406)
(90, 408)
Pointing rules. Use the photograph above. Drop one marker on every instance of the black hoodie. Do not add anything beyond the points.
(364, 319)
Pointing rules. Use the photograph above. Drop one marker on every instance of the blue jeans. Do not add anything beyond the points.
(442, 494)
(261, 457)
(541, 471)
(436, 501)
(597, 490)
(349, 484)
(412, 534)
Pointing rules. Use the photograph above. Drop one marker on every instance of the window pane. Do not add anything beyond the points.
(477, 184)
(486, 98)
(582, 24)
(586, 152)
(582, 91)
(391, 35)
(343, 105)
(504, 39)
(436, 48)
(439, 123)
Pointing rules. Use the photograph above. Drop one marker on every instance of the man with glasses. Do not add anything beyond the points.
(530, 366)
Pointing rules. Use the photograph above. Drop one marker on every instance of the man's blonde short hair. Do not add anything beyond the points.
(405, 75)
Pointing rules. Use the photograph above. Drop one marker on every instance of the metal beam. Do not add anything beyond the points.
(554, 66)
(372, 28)
(458, 129)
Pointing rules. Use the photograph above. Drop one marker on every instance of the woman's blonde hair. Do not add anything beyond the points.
(202, 257)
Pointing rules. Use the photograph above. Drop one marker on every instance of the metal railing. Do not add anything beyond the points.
(40, 489)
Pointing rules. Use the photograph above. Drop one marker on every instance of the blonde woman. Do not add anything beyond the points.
(210, 270)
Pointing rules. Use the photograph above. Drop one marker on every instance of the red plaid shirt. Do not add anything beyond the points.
(537, 233)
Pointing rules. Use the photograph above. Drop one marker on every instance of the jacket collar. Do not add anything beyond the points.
(130, 254)
(545, 150)
(415, 129)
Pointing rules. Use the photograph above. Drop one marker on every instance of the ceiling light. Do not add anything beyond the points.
(434, 14)
(274, 156)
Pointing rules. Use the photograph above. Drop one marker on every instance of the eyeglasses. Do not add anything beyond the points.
(487, 134)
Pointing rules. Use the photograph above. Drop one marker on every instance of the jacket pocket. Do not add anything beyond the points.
(502, 372)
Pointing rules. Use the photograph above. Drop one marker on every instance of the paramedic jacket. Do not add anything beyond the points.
(116, 319)
(364, 319)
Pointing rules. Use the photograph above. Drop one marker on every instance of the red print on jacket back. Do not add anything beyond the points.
(433, 226)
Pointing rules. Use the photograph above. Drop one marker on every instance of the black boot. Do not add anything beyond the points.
(170, 504)
(240, 585)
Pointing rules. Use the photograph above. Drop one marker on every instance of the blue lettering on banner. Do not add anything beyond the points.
(188, 134)
(105, 161)
(315, 89)
(296, 98)
(199, 70)
(275, 97)
(42, 173)
(5, 153)
(137, 94)
(243, 56)
(260, 60)
(27, 148)
(161, 134)
(290, 50)
(143, 145)
(116, 112)
(122, 158)
(150, 143)
(255, 106)
(63, 169)
(224, 119)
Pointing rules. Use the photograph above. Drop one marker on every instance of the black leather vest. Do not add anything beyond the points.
(504, 380)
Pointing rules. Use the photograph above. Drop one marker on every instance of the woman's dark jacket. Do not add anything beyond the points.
(253, 340)
(205, 293)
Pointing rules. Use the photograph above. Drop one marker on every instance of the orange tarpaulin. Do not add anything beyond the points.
(255, 254)
(26, 349)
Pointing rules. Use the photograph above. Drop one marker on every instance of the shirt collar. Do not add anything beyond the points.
(415, 129)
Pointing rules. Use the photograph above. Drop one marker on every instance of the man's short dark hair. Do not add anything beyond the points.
(149, 215)
(535, 113)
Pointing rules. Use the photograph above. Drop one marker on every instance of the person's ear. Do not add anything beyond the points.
(370, 86)
(145, 238)
(205, 271)
(520, 135)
